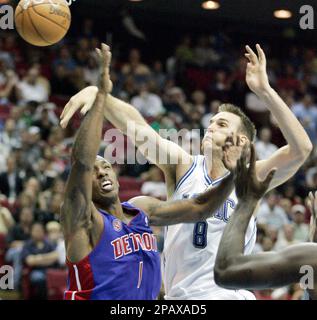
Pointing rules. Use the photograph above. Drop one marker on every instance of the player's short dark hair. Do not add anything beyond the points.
(247, 125)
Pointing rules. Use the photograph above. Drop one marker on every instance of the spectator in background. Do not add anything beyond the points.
(65, 59)
(16, 238)
(10, 181)
(204, 55)
(286, 238)
(135, 67)
(264, 147)
(198, 98)
(184, 52)
(154, 185)
(8, 81)
(149, 104)
(311, 178)
(34, 86)
(91, 71)
(9, 139)
(31, 147)
(53, 211)
(286, 205)
(257, 109)
(306, 112)
(220, 87)
(45, 119)
(61, 82)
(55, 235)
(213, 109)
(271, 214)
(301, 229)
(158, 75)
(39, 254)
(6, 220)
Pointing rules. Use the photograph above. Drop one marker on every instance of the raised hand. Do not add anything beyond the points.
(256, 75)
(248, 186)
(104, 54)
(85, 99)
(232, 152)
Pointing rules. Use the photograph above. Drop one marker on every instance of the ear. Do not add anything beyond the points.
(243, 139)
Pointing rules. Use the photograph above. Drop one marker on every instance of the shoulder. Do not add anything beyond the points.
(144, 203)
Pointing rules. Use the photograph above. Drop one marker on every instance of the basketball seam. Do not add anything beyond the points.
(35, 5)
(48, 19)
(20, 11)
(48, 42)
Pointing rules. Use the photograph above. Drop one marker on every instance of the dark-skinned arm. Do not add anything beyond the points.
(76, 211)
(234, 270)
(203, 206)
(312, 204)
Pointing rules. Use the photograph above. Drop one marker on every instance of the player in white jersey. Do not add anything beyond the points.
(190, 250)
(186, 244)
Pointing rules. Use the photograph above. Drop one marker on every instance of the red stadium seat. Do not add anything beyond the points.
(3, 246)
(128, 183)
(56, 281)
(25, 283)
(4, 112)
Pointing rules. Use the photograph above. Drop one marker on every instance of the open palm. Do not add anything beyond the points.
(256, 75)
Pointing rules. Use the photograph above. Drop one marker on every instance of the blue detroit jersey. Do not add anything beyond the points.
(124, 265)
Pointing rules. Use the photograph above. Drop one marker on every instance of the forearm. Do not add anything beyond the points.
(87, 141)
(42, 260)
(191, 210)
(313, 230)
(291, 128)
(209, 201)
(233, 238)
(119, 113)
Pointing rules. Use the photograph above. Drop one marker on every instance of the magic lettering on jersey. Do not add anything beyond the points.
(133, 242)
(222, 212)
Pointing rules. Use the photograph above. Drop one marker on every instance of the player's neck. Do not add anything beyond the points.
(217, 170)
(115, 209)
(215, 167)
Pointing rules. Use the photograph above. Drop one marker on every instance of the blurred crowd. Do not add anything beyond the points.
(181, 91)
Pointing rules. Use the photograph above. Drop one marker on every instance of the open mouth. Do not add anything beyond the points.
(106, 185)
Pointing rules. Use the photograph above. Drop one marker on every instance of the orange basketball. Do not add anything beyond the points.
(42, 22)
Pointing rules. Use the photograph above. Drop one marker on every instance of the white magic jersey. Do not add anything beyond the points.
(190, 249)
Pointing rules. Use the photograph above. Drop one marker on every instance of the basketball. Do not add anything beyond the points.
(42, 22)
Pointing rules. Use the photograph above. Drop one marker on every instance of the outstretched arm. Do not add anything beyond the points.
(77, 209)
(233, 270)
(288, 159)
(166, 154)
(200, 208)
(205, 204)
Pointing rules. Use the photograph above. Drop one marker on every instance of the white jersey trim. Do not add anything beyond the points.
(186, 175)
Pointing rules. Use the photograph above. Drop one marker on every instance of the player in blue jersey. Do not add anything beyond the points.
(234, 270)
(111, 250)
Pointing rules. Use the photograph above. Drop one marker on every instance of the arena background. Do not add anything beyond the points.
(188, 60)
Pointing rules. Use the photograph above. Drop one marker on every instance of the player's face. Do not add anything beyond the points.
(222, 126)
(105, 185)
